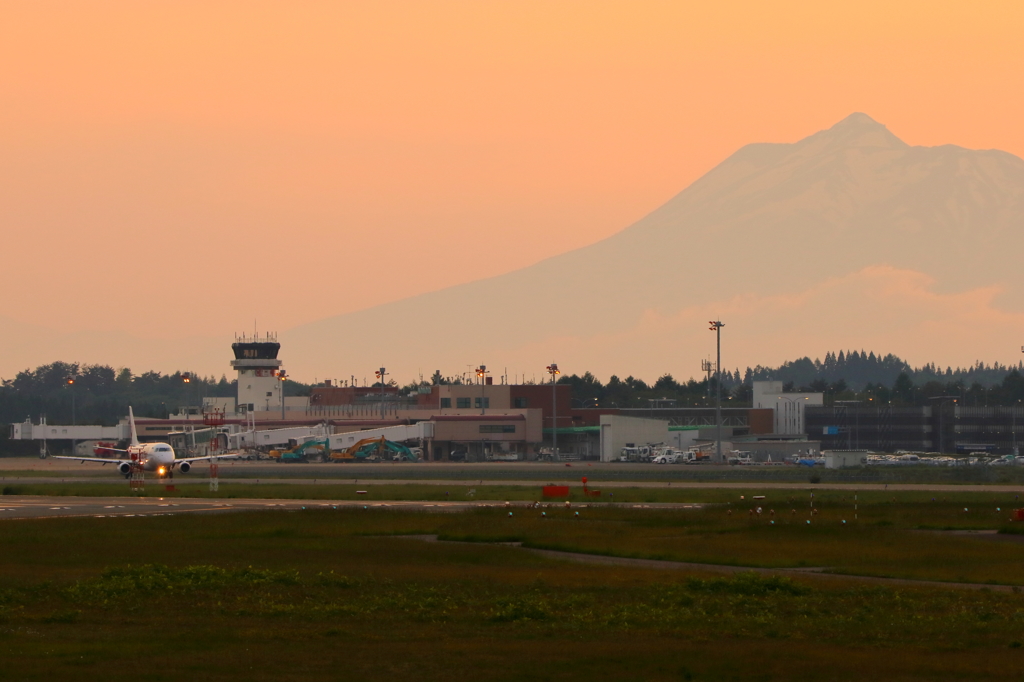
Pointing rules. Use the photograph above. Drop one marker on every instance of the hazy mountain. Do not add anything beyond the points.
(849, 237)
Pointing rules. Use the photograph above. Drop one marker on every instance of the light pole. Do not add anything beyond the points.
(71, 388)
(1013, 427)
(381, 373)
(553, 371)
(855, 431)
(942, 436)
(796, 412)
(716, 326)
(481, 373)
(282, 376)
(71, 383)
(186, 378)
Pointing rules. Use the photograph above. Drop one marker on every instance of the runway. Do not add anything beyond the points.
(15, 471)
(36, 507)
(197, 478)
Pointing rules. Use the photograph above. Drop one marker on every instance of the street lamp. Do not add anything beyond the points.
(553, 371)
(796, 410)
(716, 326)
(381, 373)
(942, 436)
(481, 373)
(70, 381)
(282, 376)
(850, 433)
(71, 389)
(1013, 427)
(186, 378)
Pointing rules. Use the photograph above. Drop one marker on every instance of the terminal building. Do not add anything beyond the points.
(474, 422)
(485, 420)
(946, 427)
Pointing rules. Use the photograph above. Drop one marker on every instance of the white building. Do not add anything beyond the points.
(788, 407)
(260, 379)
(618, 432)
(838, 459)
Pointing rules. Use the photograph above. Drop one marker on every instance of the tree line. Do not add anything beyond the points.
(851, 375)
(858, 369)
(64, 392)
(98, 394)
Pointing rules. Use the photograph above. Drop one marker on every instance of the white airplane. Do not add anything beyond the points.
(157, 457)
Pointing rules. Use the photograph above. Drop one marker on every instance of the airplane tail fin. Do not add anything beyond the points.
(131, 420)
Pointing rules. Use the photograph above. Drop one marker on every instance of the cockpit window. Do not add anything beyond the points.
(163, 448)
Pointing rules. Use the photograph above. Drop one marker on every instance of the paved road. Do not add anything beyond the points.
(689, 566)
(35, 507)
(200, 479)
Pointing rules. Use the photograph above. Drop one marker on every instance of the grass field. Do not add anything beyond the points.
(338, 594)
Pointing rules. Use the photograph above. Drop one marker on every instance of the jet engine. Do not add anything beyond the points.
(184, 466)
(125, 468)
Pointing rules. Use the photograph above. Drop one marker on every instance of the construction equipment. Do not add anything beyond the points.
(368, 448)
(302, 452)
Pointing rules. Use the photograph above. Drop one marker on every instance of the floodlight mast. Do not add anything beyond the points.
(481, 373)
(70, 381)
(381, 373)
(716, 326)
(554, 372)
(186, 378)
(282, 376)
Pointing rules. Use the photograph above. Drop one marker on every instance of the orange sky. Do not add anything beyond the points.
(220, 161)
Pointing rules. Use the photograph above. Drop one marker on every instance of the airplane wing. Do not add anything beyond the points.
(100, 460)
(199, 459)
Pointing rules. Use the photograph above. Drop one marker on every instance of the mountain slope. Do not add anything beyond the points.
(850, 221)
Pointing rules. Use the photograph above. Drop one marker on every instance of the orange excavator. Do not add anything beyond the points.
(368, 447)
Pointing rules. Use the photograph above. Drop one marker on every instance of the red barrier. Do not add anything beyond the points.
(556, 491)
(1018, 514)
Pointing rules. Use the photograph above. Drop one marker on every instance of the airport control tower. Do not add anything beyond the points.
(260, 387)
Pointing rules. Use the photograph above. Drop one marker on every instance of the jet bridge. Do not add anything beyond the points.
(419, 431)
(43, 431)
(275, 437)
